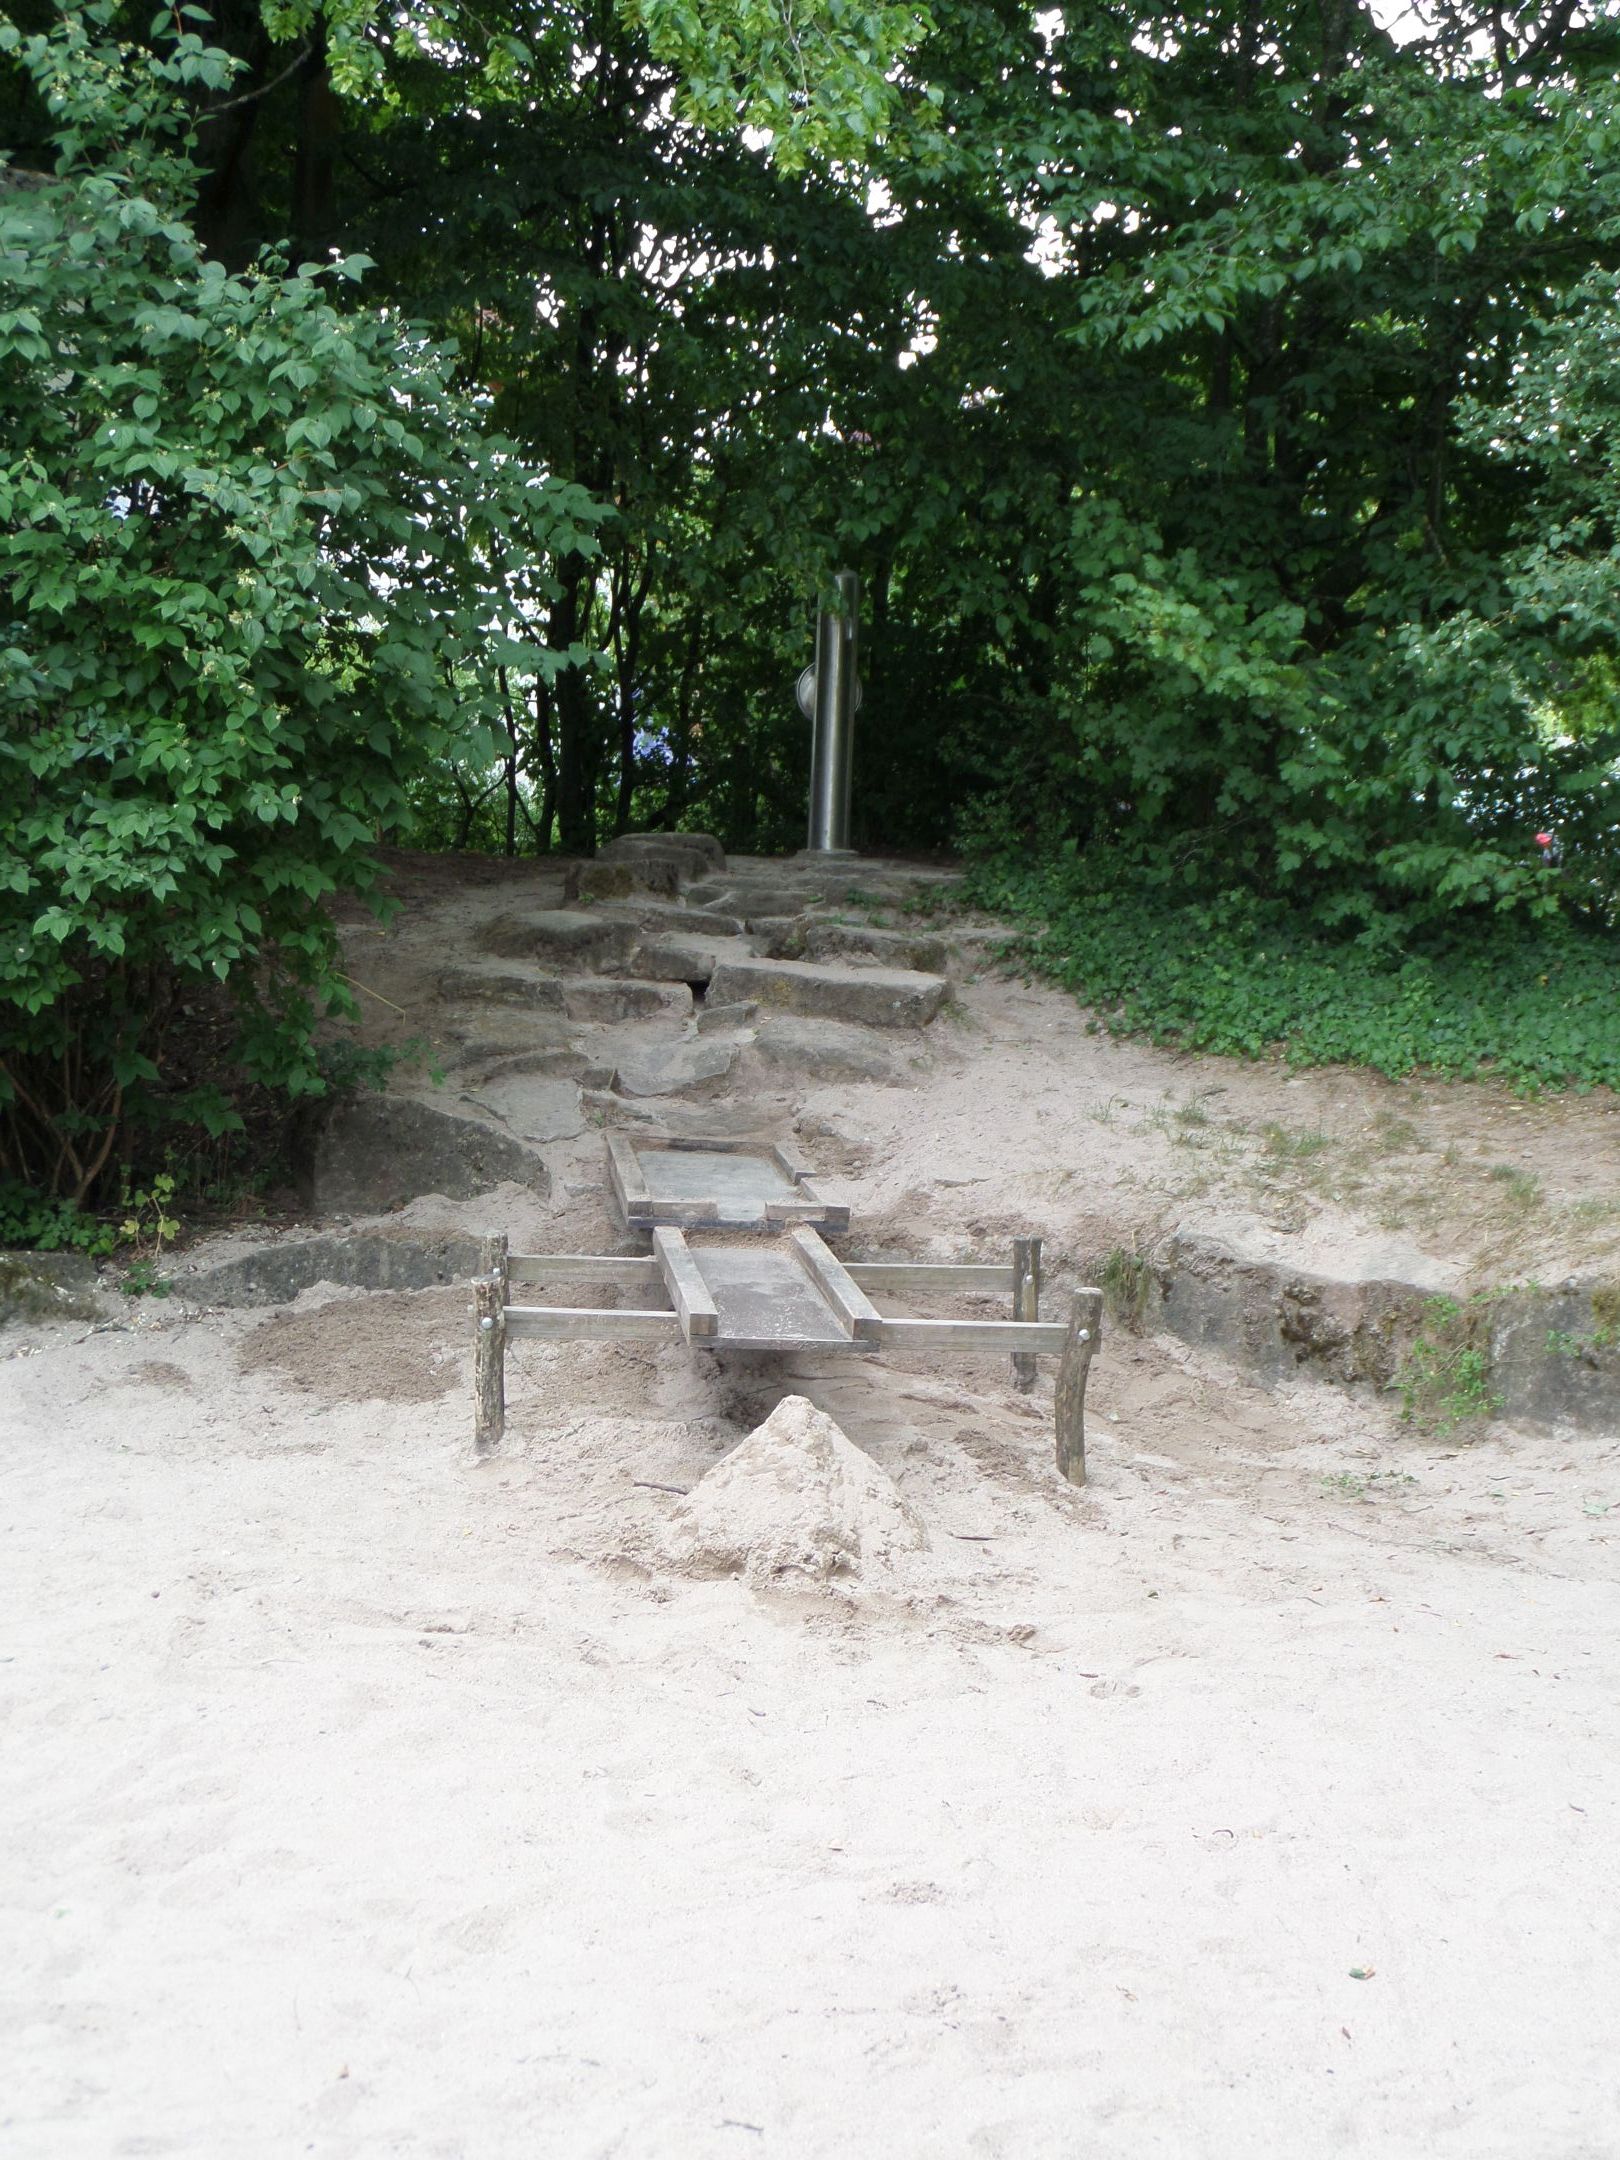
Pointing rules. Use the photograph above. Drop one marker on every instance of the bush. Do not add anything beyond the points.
(256, 560)
(1249, 976)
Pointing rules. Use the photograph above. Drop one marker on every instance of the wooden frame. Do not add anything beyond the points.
(643, 1209)
(680, 1303)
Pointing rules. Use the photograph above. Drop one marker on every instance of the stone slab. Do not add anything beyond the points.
(608, 998)
(46, 1286)
(873, 997)
(714, 1019)
(824, 1049)
(680, 1068)
(676, 918)
(621, 880)
(374, 1152)
(534, 1107)
(499, 986)
(359, 1260)
(569, 940)
(703, 849)
(922, 950)
(686, 959)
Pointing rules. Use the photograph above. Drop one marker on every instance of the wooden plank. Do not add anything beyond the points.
(790, 1162)
(1083, 1333)
(1041, 1338)
(834, 1213)
(681, 1214)
(1026, 1303)
(489, 1364)
(604, 1267)
(821, 1214)
(696, 1144)
(856, 1312)
(689, 1293)
(624, 1174)
(591, 1323)
(917, 1276)
(767, 1301)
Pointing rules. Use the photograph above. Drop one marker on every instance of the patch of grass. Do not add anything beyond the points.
(1250, 976)
(1522, 1187)
(1284, 1144)
(1354, 1486)
(1444, 1379)
(1125, 1281)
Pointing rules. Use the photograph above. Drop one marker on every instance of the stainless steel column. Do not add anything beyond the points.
(837, 698)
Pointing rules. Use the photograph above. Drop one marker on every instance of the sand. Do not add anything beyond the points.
(360, 1801)
(708, 1774)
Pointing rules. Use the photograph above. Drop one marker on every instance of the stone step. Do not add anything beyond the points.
(700, 1065)
(686, 959)
(875, 997)
(500, 986)
(818, 939)
(702, 847)
(673, 916)
(713, 1019)
(608, 998)
(568, 940)
(598, 880)
(825, 1049)
(534, 1108)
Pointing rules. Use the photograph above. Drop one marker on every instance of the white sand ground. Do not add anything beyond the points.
(360, 1801)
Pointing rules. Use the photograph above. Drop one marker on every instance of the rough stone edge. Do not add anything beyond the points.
(1554, 1353)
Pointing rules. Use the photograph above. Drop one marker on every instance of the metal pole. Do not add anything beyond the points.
(837, 695)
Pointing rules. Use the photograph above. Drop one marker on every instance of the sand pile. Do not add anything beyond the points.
(795, 1499)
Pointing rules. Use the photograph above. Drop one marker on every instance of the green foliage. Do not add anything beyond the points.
(821, 80)
(1248, 976)
(258, 566)
(1126, 1280)
(31, 1223)
(1444, 1379)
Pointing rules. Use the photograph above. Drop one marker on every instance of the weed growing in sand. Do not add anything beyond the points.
(1284, 1144)
(1523, 1189)
(1125, 1282)
(1444, 1379)
(148, 1227)
(1356, 1487)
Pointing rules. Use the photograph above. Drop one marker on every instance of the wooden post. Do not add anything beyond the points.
(495, 1258)
(490, 1294)
(1026, 1304)
(1085, 1326)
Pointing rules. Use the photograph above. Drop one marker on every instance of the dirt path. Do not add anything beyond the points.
(1257, 1800)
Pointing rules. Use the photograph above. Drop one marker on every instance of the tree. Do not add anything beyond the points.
(259, 565)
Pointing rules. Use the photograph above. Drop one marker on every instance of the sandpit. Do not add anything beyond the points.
(715, 1773)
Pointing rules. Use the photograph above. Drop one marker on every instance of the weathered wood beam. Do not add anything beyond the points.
(689, 1293)
(626, 1268)
(856, 1313)
(1080, 1347)
(1042, 1338)
(917, 1276)
(591, 1323)
(489, 1364)
(1026, 1303)
(624, 1174)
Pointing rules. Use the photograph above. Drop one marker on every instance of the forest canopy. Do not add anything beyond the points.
(1219, 406)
